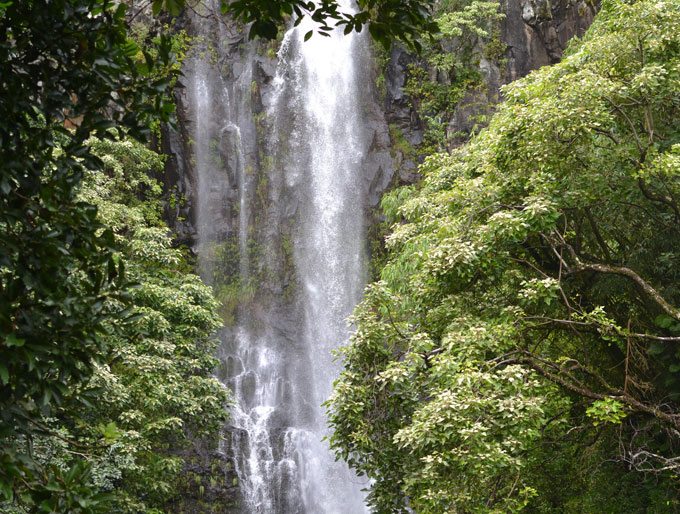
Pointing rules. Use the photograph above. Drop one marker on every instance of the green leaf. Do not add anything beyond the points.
(13, 341)
(7, 490)
(4, 6)
(110, 432)
(174, 6)
(664, 321)
(130, 48)
(156, 7)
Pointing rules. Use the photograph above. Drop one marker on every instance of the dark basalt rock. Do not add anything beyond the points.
(209, 483)
(536, 33)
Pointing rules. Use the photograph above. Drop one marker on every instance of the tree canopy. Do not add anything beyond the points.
(521, 347)
(60, 61)
(520, 350)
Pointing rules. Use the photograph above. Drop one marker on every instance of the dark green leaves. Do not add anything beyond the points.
(68, 71)
(387, 20)
(263, 28)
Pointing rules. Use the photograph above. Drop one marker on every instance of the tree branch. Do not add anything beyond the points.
(598, 236)
(625, 398)
(654, 197)
(639, 281)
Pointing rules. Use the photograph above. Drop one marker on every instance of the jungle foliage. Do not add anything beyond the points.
(61, 63)
(112, 444)
(520, 351)
(387, 20)
(104, 348)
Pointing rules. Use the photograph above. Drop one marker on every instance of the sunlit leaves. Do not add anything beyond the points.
(606, 411)
(485, 343)
(152, 386)
(156, 386)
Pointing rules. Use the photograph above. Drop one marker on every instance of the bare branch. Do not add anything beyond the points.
(598, 236)
(650, 195)
(639, 281)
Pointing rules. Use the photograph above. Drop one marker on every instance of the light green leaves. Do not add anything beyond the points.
(608, 410)
(13, 341)
(109, 432)
(537, 290)
(478, 356)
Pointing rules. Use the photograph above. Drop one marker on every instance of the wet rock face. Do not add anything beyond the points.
(535, 33)
(398, 108)
(400, 115)
(538, 31)
(209, 485)
(180, 180)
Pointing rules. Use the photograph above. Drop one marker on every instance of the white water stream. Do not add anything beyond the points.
(277, 353)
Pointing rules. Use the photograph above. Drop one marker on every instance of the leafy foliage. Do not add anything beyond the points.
(156, 388)
(48, 233)
(387, 20)
(68, 70)
(528, 309)
(153, 387)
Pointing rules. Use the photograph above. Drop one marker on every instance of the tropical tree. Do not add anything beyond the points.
(521, 347)
(154, 389)
(68, 70)
(157, 395)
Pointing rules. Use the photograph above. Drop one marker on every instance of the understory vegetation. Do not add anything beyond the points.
(520, 350)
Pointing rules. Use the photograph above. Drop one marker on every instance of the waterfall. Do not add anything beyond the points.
(281, 198)
(318, 129)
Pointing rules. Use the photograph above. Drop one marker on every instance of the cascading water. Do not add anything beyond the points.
(319, 133)
(280, 221)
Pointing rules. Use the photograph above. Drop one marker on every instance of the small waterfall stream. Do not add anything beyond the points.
(280, 223)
